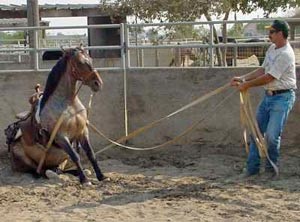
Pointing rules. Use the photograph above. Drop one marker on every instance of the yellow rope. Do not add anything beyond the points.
(248, 121)
(52, 137)
(185, 132)
(151, 125)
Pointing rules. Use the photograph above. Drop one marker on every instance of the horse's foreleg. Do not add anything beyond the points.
(85, 144)
(64, 142)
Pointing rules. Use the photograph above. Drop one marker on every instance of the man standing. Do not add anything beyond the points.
(278, 77)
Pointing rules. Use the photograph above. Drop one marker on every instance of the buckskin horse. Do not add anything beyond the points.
(27, 137)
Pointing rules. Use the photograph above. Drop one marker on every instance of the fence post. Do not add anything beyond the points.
(156, 57)
(235, 55)
(211, 48)
(35, 54)
(142, 57)
(19, 53)
(33, 20)
(125, 45)
(123, 33)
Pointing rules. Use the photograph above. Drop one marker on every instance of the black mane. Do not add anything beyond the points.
(53, 80)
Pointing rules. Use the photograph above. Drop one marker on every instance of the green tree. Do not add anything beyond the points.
(236, 30)
(190, 10)
(269, 6)
(185, 32)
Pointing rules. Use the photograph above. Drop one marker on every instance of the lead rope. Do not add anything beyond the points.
(52, 137)
(249, 122)
(184, 133)
(151, 125)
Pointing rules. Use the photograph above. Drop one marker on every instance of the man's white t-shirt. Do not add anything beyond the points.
(280, 63)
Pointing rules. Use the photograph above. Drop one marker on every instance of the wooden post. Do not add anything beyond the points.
(33, 19)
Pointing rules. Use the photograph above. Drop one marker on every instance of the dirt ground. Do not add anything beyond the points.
(203, 185)
(198, 181)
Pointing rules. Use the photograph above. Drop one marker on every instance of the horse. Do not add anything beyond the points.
(240, 52)
(182, 56)
(244, 52)
(59, 96)
(52, 55)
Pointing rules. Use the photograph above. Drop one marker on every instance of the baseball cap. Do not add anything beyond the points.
(280, 25)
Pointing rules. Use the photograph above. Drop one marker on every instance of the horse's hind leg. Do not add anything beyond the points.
(85, 143)
(66, 145)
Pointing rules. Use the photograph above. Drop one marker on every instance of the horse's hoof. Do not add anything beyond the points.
(103, 178)
(107, 179)
(87, 172)
(51, 175)
(87, 184)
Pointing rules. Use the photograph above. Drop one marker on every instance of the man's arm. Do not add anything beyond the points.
(258, 81)
(254, 74)
(235, 81)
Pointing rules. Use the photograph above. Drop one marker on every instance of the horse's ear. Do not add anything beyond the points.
(66, 52)
(83, 49)
(81, 46)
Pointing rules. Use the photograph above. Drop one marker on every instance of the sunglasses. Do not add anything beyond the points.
(272, 31)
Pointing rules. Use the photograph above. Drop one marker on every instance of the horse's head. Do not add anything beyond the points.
(82, 68)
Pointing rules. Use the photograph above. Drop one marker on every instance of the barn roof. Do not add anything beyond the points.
(22, 7)
(51, 10)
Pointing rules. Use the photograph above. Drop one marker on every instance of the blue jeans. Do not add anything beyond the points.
(271, 117)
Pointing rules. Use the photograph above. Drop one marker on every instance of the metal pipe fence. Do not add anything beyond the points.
(203, 52)
(141, 51)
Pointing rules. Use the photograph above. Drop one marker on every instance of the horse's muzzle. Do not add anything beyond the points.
(96, 82)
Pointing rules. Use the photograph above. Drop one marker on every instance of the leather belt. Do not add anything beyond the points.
(275, 92)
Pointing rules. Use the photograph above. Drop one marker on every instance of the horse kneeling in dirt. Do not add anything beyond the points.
(45, 137)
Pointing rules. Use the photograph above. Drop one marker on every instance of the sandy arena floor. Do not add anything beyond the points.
(204, 186)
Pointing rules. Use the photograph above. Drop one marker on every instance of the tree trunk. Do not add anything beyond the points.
(218, 52)
(224, 35)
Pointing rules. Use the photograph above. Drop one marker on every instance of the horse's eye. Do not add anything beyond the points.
(87, 62)
(90, 63)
